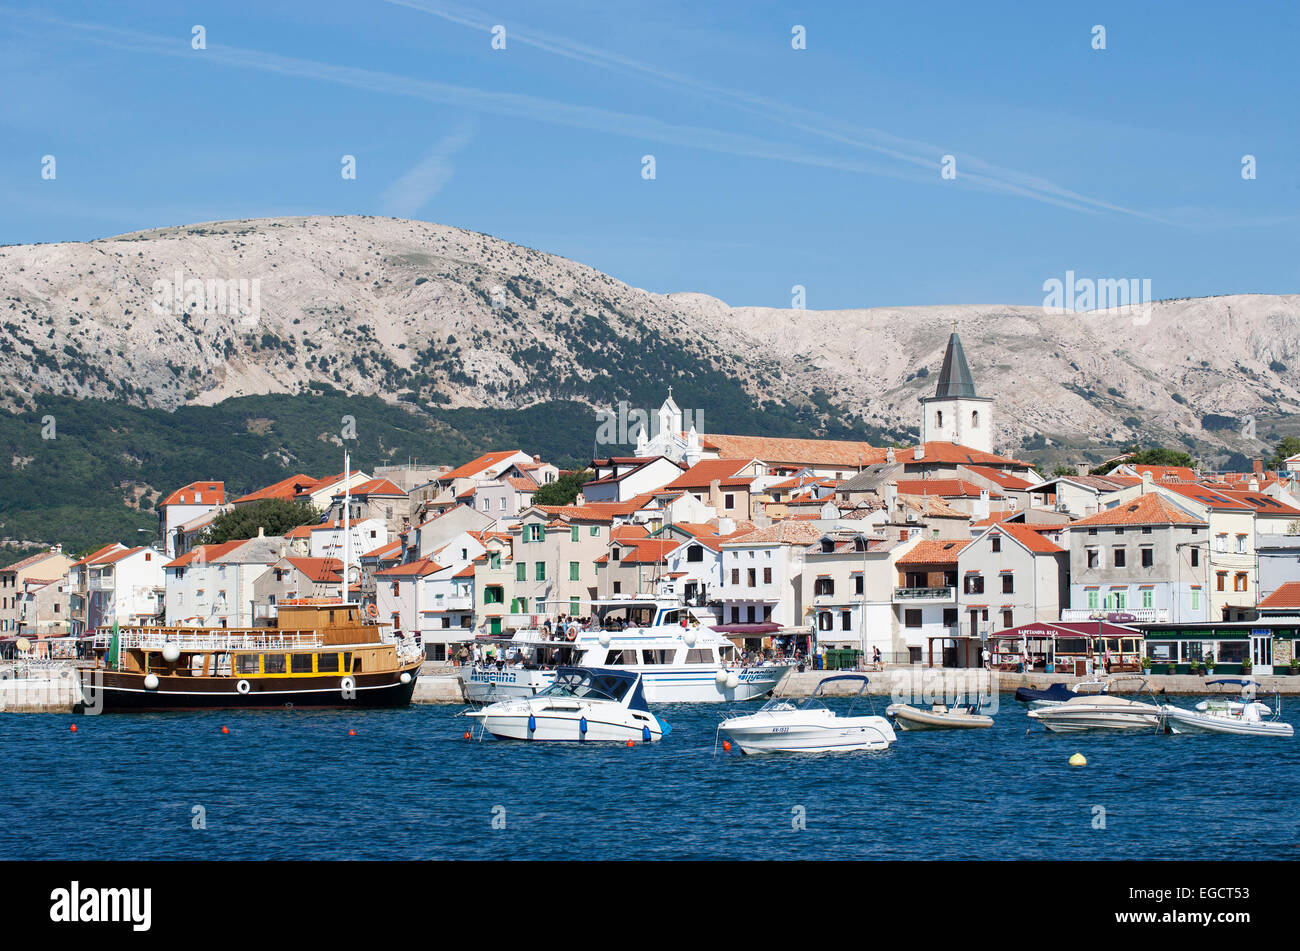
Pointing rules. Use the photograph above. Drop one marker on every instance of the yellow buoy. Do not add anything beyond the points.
(1078, 760)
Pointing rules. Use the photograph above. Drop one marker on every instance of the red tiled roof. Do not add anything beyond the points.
(945, 488)
(1167, 473)
(113, 558)
(790, 531)
(412, 569)
(1287, 596)
(208, 553)
(96, 555)
(821, 452)
(197, 493)
(590, 512)
(934, 551)
(702, 474)
(1000, 478)
(319, 569)
(1030, 538)
(374, 487)
(32, 560)
(284, 489)
(475, 466)
(1148, 509)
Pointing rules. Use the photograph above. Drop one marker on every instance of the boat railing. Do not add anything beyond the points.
(153, 638)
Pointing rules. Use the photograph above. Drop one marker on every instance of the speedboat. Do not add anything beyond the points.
(783, 726)
(675, 648)
(584, 704)
(1057, 693)
(1244, 717)
(938, 717)
(1102, 712)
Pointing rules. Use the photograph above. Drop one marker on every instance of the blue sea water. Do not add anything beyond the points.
(295, 785)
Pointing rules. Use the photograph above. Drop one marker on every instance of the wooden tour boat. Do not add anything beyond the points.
(321, 653)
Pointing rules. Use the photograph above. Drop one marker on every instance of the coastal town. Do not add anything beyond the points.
(943, 554)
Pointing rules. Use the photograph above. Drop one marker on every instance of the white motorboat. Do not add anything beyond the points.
(584, 704)
(938, 717)
(1059, 693)
(1103, 711)
(678, 654)
(784, 726)
(1243, 717)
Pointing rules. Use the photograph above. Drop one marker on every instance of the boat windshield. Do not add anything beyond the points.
(590, 684)
(784, 705)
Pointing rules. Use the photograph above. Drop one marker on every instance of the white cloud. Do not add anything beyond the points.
(421, 182)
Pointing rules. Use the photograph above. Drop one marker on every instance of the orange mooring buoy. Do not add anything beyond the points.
(726, 745)
(73, 728)
(352, 732)
(225, 729)
(630, 743)
(467, 734)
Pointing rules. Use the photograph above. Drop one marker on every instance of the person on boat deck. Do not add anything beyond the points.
(462, 655)
(546, 628)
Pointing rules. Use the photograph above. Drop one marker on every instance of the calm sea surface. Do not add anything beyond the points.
(295, 785)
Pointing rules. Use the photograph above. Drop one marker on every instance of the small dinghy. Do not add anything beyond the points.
(1244, 717)
(938, 717)
(782, 726)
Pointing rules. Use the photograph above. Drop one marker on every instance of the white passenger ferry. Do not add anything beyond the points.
(679, 655)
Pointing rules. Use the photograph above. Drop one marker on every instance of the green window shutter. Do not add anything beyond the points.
(573, 607)
(521, 572)
(540, 570)
(573, 571)
(573, 534)
(1092, 600)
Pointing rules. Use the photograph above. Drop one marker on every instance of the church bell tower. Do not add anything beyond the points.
(956, 413)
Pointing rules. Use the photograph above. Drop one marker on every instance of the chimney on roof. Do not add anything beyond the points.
(889, 456)
(1147, 480)
(919, 452)
(1259, 467)
(260, 532)
(580, 499)
(1081, 469)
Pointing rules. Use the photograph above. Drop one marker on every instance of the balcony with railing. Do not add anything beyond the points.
(1138, 615)
(943, 593)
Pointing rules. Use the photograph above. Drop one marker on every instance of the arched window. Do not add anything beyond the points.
(975, 420)
(938, 419)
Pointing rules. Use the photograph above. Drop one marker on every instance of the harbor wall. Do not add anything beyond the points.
(60, 692)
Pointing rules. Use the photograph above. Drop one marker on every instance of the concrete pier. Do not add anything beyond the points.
(438, 684)
(45, 691)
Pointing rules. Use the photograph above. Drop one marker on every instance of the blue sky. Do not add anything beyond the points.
(774, 166)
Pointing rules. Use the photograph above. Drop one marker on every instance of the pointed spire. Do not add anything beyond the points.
(955, 378)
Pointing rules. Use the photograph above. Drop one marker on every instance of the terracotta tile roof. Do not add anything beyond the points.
(412, 569)
(466, 572)
(646, 551)
(205, 553)
(96, 555)
(1207, 497)
(32, 560)
(773, 450)
(476, 466)
(322, 570)
(521, 483)
(1030, 538)
(1148, 509)
(390, 550)
(1167, 473)
(702, 474)
(1287, 596)
(1000, 478)
(197, 493)
(114, 557)
(950, 453)
(790, 531)
(284, 489)
(590, 512)
(1261, 503)
(931, 506)
(374, 487)
(934, 551)
(945, 488)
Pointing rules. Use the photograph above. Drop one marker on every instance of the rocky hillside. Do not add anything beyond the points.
(441, 318)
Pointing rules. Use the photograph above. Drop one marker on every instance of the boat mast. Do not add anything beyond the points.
(347, 526)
